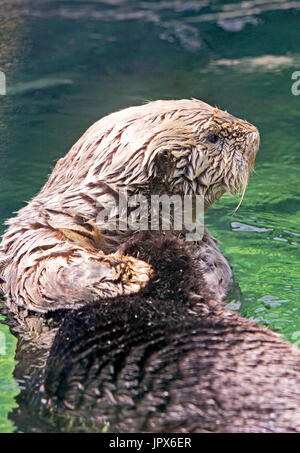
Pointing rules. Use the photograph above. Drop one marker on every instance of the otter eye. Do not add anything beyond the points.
(213, 138)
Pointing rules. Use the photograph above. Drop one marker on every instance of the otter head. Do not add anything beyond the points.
(176, 147)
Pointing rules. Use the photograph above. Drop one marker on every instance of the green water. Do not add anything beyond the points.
(69, 63)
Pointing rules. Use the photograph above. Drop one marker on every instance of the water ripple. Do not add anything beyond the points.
(183, 17)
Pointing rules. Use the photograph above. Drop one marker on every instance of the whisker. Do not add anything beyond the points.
(244, 187)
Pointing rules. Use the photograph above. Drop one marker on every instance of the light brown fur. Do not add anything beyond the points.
(55, 255)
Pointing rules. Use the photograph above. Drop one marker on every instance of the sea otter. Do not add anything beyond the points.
(56, 255)
(171, 358)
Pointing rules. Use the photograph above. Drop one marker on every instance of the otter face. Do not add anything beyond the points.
(176, 147)
(211, 154)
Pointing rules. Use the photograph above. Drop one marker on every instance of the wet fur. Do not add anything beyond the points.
(56, 254)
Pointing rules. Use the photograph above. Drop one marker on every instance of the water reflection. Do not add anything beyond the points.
(179, 18)
(263, 63)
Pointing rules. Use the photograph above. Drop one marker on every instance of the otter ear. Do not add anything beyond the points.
(163, 161)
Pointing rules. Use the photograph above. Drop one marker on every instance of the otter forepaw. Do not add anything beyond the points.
(135, 274)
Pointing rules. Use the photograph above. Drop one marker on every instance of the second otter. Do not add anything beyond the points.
(171, 358)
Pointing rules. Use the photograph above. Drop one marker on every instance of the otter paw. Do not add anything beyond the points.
(136, 274)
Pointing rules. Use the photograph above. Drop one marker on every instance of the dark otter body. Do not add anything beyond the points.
(165, 360)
